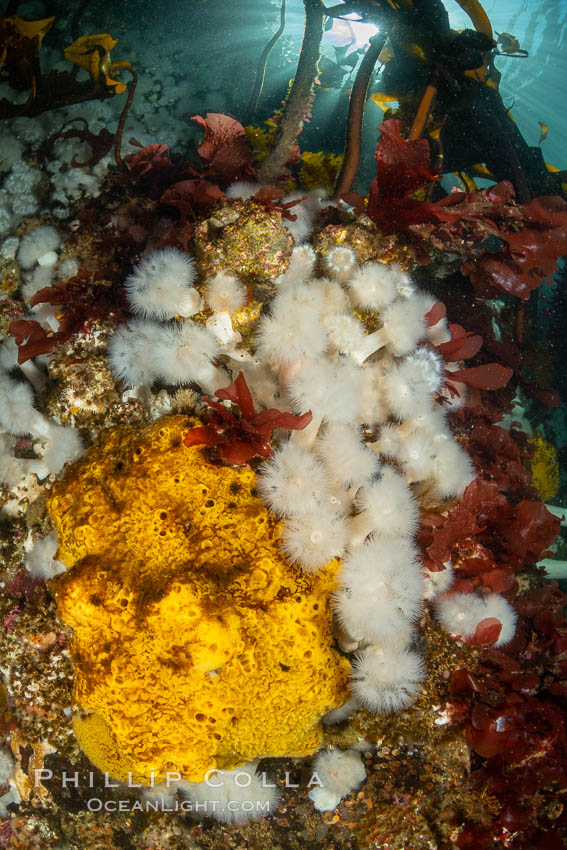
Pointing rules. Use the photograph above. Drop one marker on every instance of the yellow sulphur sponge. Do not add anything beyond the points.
(195, 644)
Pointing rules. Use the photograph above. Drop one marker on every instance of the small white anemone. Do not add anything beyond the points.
(461, 613)
(243, 190)
(314, 537)
(429, 365)
(16, 405)
(340, 772)
(36, 244)
(301, 227)
(438, 581)
(415, 456)
(131, 352)
(341, 263)
(331, 390)
(386, 680)
(234, 796)
(346, 458)
(373, 410)
(64, 445)
(347, 336)
(41, 561)
(292, 481)
(160, 287)
(373, 286)
(389, 441)
(184, 354)
(405, 390)
(403, 325)
(382, 588)
(7, 765)
(300, 269)
(386, 508)
(452, 469)
(224, 293)
(294, 332)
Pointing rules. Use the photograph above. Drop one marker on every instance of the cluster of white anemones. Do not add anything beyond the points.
(342, 496)
(55, 444)
(160, 344)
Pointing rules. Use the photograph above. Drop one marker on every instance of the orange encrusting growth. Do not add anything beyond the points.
(195, 644)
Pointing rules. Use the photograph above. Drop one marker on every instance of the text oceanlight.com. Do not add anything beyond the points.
(95, 804)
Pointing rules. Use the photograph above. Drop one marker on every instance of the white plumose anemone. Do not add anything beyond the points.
(301, 265)
(38, 243)
(452, 469)
(128, 352)
(345, 457)
(340, 772)
(439, 581)
(184, 353)
(386, 508)
(41, 561)
(405, 390)
(341, 263)
(293, 333)
(238, 795)
(403, 325)
(331, 390)
(293, 481)
(389, 441)
(373, 286)
(224, 293)
(243, 190)
(7, 765)
(429, 366)
(160, 287)
(347, 336)
(381, 591)
(64, 445)
(461, 613)
(314, 537)
(16, 405)
(414, 455)
(386, 680)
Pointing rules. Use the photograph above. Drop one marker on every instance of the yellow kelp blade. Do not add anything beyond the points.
(83, 51)
(86, 53)
(481, 23)
(30, 29)
(554, 170)
(384, 101)
(508, 43)
(14, 31)
(478, 16)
